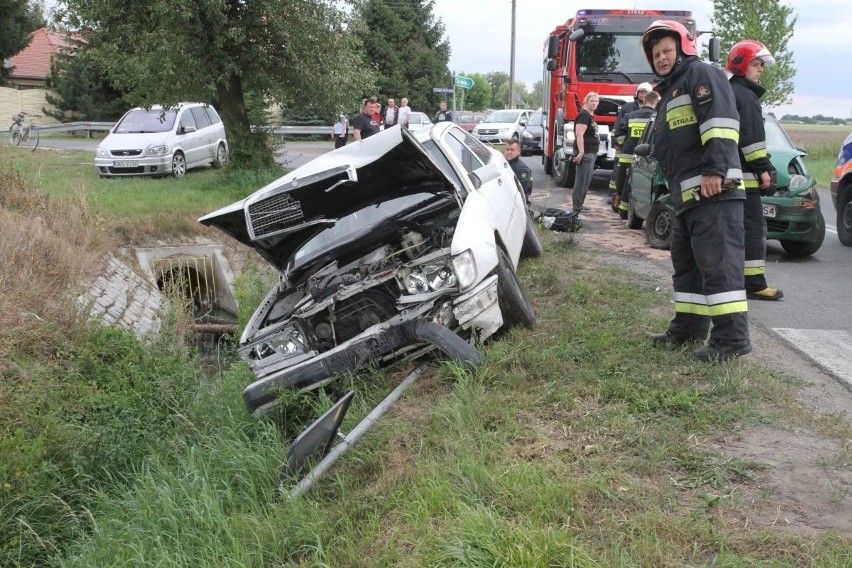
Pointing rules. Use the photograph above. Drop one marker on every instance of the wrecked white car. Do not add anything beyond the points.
(389, 247)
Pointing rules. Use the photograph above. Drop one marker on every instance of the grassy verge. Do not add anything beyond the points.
(822, 144)
(575, 444)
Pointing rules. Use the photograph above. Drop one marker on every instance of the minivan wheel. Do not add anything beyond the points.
(221, 156)
(844, 221)
(178, 165)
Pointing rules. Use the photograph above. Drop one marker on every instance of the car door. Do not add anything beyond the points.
(497, 202)
(187, 140)
(643, 176)
(204, 141)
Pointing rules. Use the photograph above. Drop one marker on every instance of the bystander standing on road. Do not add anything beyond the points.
(512, 152)
(365, 125)
(695, 141)
(586, 146)
(340, 132)
(745, 65)
(404, 112)
(443, 115)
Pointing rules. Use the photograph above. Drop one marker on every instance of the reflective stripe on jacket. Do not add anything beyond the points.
(754, 159)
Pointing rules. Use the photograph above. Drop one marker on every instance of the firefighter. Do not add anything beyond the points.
(695, 136)
(746, 61)
(638, 100)
(630, 129)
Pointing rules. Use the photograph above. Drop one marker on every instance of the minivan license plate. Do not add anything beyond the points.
(128, 164)
(769, 211)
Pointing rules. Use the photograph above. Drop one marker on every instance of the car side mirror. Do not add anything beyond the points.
(187, 129)
(486, 173)
(523, 123)
(643, 150)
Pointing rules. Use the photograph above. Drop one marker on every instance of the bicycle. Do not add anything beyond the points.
(23, 131)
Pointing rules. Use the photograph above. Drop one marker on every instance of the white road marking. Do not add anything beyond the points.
(831, 349)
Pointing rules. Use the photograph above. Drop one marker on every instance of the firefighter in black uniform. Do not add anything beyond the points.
(632, 106)
(695, 136)
(630, 129)
(512, 152)
(745, 64)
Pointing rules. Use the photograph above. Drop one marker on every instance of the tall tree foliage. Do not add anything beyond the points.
(81, 89)
(479, 96)
(18, 18)
(297, 53)
(406, 45)
(769, 22)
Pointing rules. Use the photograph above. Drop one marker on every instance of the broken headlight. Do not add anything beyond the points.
(288, 342)
(430, 276)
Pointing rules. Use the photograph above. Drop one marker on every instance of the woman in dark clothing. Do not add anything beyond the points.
(586, 145)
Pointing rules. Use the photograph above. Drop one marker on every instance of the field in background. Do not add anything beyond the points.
(822, 144)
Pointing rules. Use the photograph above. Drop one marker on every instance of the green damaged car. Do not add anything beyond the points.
(792, 213)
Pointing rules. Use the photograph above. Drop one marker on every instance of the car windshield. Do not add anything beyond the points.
(142, 121)
(776, 137)
(535, 119)
(465, 119)
(502, 116)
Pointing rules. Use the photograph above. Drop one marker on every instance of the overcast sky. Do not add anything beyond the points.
(479, 32)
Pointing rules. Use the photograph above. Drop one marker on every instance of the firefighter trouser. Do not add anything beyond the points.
(755, 242)
(707, 257)
(613, 178)
(622, 187)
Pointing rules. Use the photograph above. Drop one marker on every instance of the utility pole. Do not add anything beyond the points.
(512, 61)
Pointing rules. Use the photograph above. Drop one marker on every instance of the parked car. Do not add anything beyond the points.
(400, 242)
(792, 213)
(419, 121)
(467, 120)
(501, 125)
(163, 141)
(531, 135)
(841, 192)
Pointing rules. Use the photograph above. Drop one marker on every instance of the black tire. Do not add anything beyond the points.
(658, 226)
(564, 171)
(511, 297)
(221, 157)
(547, 162)
(633, 220)
(532, 247)
(178, 165)
(31, 140)
(806, 248)
(844, 220)
(15, 134)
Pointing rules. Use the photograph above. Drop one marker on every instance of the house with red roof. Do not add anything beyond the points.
(30, 67)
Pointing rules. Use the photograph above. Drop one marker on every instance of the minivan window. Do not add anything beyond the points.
(201, 118)
(187, 121)
(212, 115)
(143, 121)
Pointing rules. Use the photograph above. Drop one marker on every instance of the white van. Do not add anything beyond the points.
(163, 141)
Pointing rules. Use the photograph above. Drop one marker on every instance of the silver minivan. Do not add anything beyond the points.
(163, 141)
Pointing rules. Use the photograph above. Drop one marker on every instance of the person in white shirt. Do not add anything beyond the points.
(391, 114)
(404, 113)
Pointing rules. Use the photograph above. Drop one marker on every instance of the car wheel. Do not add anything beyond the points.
(513, 301)
(564, 171)
(532, 247)
(844, 222)
(634, 221)
(658, 226)
(807, 248)
(221, 157)
(178, 165)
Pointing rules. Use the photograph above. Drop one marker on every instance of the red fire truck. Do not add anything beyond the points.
(596, 50)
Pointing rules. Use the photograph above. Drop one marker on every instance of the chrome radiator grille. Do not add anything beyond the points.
(274, 214)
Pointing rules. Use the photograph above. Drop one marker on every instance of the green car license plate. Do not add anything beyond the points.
(769, 210)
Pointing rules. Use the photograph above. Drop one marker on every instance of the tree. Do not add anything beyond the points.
(536, 97)
(406, 44)
(81, 88)
(18, 18)
(477, 97)
(768, 22)
(296, 53)
(502, 97)
(497, 79)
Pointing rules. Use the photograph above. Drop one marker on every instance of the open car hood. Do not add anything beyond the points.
(278, 218)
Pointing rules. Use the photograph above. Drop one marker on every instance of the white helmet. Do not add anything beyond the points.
(644, 87)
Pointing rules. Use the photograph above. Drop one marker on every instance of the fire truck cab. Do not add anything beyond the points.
(596, 50)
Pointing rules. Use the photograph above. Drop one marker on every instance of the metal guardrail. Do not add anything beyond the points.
(283, 130)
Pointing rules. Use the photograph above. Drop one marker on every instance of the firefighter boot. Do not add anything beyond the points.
(669, 339)
(722, 349)
(766, 294)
